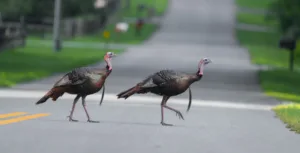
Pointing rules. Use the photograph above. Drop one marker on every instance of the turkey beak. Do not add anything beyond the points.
(113, 55)
(209, 61)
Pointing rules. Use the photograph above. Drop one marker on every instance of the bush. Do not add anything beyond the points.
(285, 12)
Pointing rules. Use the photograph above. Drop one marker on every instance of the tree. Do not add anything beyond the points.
(36, 10)
(286, 12)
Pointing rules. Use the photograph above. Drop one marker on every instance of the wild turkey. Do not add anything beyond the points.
(167, 83)
(82, 82)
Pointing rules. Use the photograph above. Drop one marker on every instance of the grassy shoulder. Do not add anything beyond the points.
(279, 83)
(258, 4)
(256, 19)
(124, 38)
(29, 63)
(159, 5)
(290, 115)
(263, 49)
(253, 18)
(129, 37)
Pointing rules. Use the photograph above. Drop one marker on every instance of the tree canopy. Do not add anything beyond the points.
(38, 9)
(286, 12)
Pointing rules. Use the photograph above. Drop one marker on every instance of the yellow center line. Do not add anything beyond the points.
(22, 118)
(12, 114)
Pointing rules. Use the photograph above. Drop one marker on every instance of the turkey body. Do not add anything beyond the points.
(81, 81)
(166, 83)
(163, 83)
(169, 83)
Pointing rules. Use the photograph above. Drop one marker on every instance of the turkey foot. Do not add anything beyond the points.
(178, 113)
(71, 119)
(165, 124)
(91, 121)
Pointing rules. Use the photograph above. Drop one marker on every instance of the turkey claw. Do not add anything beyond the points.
(91, 121)
(72, 120)
(165, 124)
(178, 113)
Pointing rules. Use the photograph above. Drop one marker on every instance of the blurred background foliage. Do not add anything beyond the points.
(286, 13)
(36, 10)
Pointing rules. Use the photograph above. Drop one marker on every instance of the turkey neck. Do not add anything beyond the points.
(196, 76)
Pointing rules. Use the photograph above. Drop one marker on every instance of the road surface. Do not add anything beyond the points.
(229, 113)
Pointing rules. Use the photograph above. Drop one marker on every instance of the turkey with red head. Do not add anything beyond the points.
(167, 83)
(82, 82)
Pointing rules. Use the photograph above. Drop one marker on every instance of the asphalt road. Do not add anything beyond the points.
(220, 119)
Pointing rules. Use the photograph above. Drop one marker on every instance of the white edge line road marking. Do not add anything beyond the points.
(135, 99)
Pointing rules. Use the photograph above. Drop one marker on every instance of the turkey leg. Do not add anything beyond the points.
(178, 113)
(73, 107)
(163, 102)
(163, 105)
(86, 112)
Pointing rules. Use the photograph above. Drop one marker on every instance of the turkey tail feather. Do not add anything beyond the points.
(44, 98)
(190, 99)
(127, 93)
(103, 91)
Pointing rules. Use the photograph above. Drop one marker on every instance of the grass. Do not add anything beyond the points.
(259, 4)
(160, 6)
(29, 63)
(289, 114)
(127, 38)
(255, 19)
(124, 38)
(279, 82)
(263, 49)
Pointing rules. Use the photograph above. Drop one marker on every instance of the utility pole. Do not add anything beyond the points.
(56, 26)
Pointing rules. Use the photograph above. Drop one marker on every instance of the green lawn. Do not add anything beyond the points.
(124, 38)
(127, 38)
(279, 83)
(29, 63)
(263, 49)
(260, 4)
(160, 5)
(254, 19)
(289, 114)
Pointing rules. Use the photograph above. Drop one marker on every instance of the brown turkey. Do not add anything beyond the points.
(167, 83)
(82, 82)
